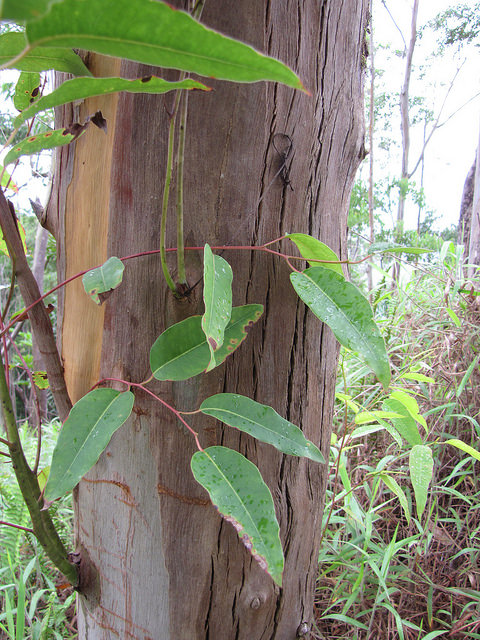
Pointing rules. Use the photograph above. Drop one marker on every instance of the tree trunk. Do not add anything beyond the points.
(38, 270)
(466, 207)
(163, 564)
(474, 241)
(405, 122)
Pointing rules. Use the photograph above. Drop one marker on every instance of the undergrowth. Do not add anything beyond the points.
(33, 603)
(385, 572)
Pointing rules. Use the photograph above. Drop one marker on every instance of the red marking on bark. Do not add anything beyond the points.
(178, 496)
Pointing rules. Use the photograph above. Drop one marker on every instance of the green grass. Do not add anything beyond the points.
(385, 572)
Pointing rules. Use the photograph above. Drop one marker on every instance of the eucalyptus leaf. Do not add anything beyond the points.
(313, 250)
(387, 247)
(26, 90)
(217, 297)
(182, 351)
(82, 88)
(103, 279)
(35, 144)
(84, 435)
(40, 58)
(347, 312)
(155, 34)
(238, 491)
(22, 10)
(421, 471)
(261, 422)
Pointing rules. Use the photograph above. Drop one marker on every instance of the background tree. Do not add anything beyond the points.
(158, 556)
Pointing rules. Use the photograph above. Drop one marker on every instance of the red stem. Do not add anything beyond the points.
(141, 254)
(17, 526)
(139, 385)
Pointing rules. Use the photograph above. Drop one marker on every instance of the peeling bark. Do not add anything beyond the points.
(168, 566)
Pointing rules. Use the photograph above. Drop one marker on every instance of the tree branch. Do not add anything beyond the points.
(41, 325)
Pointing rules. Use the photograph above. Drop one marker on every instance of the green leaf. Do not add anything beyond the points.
(455, 319)
(366, 417)
(466, 376)
(155, 34)
(217, 297)
(35, 144)
(347, 312)
(261, 422)
(102, 280)
(21, 10)
(386, 247)
(40, 379)
(182, 352)
(395, 488)
(410, 405)
(40, 58)
(312, 249)
(85, 434)
(419, 377)
(238, 491)
(421, 471)
(82, 88)
(459, 444)
(43, 477)
(406, 425)
(8, 183)
(26, 90)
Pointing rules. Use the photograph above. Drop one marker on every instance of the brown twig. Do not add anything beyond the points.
(41, 325)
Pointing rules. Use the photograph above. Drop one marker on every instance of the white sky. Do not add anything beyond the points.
(451, 150)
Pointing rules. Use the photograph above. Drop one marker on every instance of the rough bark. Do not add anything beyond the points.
(164, 564)
(466, 207)
(474, 243)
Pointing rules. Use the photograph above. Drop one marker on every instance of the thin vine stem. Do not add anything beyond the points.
(17, 526)
(181, 275)
(151, 252)
(139, 385)
(166, 193)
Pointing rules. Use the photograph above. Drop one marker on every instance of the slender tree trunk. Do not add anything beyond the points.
(38, 270)
(371, 127)
(162, 563)
(466, 207)
(405, 120)
(474, 247)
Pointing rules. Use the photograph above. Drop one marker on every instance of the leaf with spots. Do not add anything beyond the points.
(40, 379)
(261, 422)
(85, 434)
(217, 297)
(99, 282)
(82, 88)
(35, 144)
(26, 90)
(238, 491)
(182, 351)
(342, 306)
